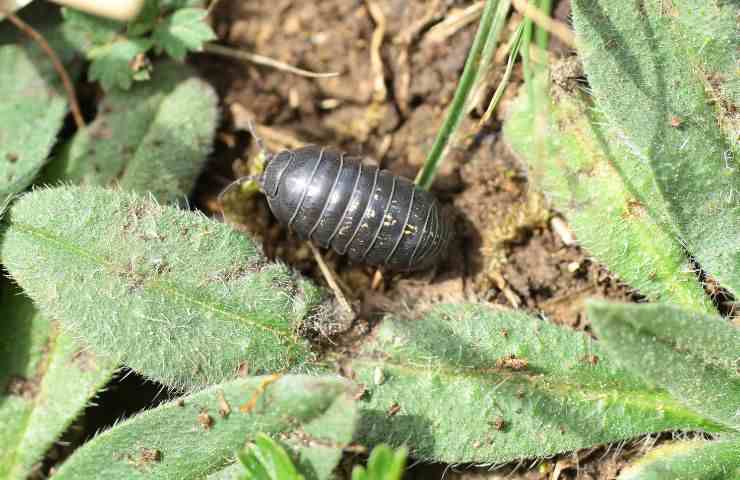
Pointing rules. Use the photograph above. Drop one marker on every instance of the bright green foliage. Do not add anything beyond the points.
(315, 460)
(467, 383)
(182, 299)
(32, 107)
(199, 435)
(111, 63)
(46, 379)
(690, 460)
(185, 30)
(383, 464)
(267, 460)
(611, 202)
(154, 138)
(693, 356)
(115, 49)
(666, 100)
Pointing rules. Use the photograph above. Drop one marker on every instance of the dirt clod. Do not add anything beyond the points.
(205, 420)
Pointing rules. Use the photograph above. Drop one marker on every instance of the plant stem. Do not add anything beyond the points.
(475, 61)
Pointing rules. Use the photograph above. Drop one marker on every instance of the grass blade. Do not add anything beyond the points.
(479, 58)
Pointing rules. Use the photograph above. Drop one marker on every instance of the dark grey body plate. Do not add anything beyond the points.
(371, 215)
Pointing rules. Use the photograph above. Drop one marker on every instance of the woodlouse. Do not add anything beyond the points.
(372, 216)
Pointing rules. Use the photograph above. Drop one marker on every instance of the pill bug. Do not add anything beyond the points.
(369, 214)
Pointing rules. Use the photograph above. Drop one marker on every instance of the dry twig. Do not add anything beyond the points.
(376, 61)
(329, 276)
(545, 22)
(262, 60)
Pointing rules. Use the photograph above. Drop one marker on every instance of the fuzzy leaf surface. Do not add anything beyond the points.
(46, 380)
(695, 357)
(650, 80)
(191, 439)
(153, 138)
(690, 460)
(33, 106)
(181, 298)
(611, 202)
(467, 383)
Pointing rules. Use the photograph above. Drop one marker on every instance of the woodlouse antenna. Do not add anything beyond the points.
(258, 140)
(249, 178)
(237, 182)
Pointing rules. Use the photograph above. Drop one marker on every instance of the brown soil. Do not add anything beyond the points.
(510, 249)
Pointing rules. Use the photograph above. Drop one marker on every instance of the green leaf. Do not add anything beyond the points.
(182, 299)
(46, 380)
(112, 63)
(154, 138)
(146, 20)
(86, 31)
(183, 31)
(193, 437)
(649, 75)
(467, 383)
(383, 464)
(33, 106)
(319, 449)
(693, 356)
(267, 460)
(611, 202)
(690, 460)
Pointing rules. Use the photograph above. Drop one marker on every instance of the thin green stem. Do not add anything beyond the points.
(479, 57)
(513, 53)
(541, 35)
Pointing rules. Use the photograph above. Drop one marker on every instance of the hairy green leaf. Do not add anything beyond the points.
(154, 138)
(112, 55)
(267, 460)
(199, 435)
(646, 67)
(610, 201)
(689, 460)
(695, 357)
(33, 106)
(112, 63)
(467, 383)
(183, 299)
(185, 30)
(46, 379)
(383, 464)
